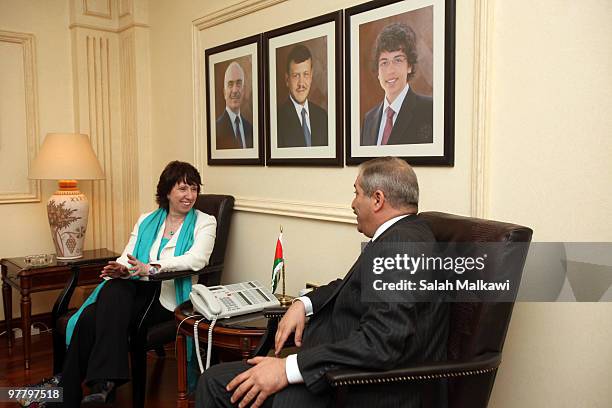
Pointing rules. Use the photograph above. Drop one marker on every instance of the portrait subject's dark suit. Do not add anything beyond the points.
(345, 331)
(414, 123)
(225, 133)
(289, 127)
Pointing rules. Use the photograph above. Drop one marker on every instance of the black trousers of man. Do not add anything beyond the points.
(211, 390)
(99, 348)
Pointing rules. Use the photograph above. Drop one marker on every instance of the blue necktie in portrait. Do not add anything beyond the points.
(238, 133)
(305, 129)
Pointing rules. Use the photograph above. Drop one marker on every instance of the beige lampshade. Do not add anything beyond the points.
(66, 156)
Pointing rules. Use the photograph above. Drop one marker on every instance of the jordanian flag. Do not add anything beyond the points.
(278, 262)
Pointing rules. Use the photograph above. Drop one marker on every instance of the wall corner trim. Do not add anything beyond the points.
(231, 12)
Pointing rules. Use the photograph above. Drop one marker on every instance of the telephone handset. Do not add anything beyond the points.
(205, 302)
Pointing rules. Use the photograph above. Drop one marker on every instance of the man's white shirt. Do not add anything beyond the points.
(298, 110)
(233, 116)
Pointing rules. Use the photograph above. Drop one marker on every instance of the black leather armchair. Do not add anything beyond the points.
(476, 334)
(146, 337)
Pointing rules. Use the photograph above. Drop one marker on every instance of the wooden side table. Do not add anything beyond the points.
(29, 279)
(234, 338)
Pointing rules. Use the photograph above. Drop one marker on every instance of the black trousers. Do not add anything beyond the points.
(100, 342)
(211, 390)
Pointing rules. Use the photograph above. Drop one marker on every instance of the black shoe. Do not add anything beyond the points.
(45, 383)
(102, 392)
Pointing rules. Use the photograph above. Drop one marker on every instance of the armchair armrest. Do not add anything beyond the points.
(482, 364)
(60, 307)
(183, 274)
(274, 312)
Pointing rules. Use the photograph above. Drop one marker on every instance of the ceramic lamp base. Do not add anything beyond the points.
(68, 210)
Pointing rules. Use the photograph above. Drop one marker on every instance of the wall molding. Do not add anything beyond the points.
(106, 29)
(126, 7)
(296, 209)
(483, 32)
(231, 12)
(28, 45)
(97, 59)
(107, 14)
(129, 127)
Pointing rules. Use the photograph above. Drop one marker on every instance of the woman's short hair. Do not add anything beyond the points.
(176, 172)
(394, 177)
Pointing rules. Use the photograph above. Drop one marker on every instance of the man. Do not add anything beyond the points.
(233, 130)
(403, 117)
(300, 123)
(343, 330)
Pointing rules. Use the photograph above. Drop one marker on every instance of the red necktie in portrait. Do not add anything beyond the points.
(388, 126)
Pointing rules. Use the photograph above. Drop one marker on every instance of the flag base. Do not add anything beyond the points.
(284, 300)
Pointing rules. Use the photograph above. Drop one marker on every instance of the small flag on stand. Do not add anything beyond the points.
(278, 261)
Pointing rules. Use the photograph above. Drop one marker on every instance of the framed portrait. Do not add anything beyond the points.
(400, 70)
(304, 92)
(234, 117)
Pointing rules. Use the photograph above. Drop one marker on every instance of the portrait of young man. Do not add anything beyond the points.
(403, 116)
(233, 130)
(300, 121)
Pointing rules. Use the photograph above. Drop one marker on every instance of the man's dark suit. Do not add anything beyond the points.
(414, 123)
(344, 331)
(225, 133)
(289, 127)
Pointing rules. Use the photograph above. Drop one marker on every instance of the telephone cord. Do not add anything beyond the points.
(209, 348)
(211, 326)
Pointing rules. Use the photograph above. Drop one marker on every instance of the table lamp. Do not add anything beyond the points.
(67, 157)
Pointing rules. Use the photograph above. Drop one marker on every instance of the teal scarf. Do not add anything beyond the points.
(147, 234)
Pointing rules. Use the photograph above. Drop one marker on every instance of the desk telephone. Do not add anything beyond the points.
(231, 300)
(217, 302)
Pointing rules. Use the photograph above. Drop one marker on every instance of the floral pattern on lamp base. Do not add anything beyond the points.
(68, 213)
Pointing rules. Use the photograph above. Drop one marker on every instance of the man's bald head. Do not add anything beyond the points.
(233, 86)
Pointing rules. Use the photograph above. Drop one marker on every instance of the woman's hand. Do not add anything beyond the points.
(138, 268)
(114, 270)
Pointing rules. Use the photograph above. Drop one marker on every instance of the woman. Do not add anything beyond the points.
(174, 237)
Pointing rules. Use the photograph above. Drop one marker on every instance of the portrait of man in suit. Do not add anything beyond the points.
(403, 116)
(300, 122)
(344, 331)
(233, 131)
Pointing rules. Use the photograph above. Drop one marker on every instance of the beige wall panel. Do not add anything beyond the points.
(97, 8)
(97, 103)
(25, 229)
(312, 253)
(19, 118)
(549, 152)
(550, 144)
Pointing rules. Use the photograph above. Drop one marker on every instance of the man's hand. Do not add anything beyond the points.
(294, 320)
(265, 378)
(114, 270)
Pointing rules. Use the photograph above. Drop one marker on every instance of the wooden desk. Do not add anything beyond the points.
(233, 339)
(29, 279)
